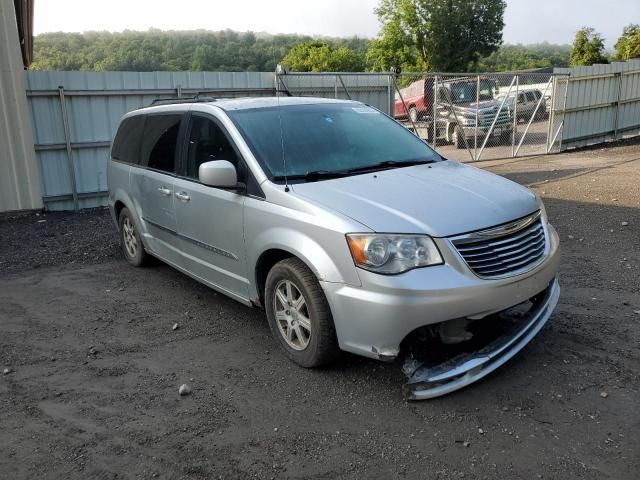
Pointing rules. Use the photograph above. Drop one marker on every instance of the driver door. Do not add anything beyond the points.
(210, 219)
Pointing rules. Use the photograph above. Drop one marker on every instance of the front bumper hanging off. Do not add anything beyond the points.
(433, 381)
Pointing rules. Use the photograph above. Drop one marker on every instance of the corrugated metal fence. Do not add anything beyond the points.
(75, 114)
(602, 103)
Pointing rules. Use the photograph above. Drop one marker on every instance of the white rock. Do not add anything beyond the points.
(6, 371)
(175, 326)
(604, 394)
(184, 389)
(481, 431)
(624, 224)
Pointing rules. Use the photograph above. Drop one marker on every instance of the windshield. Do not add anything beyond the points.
(327, 138)
(465, 92)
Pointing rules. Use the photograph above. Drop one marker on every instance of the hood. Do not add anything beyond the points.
(440, 199)
(484, 106)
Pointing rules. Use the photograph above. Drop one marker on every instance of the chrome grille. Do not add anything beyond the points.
(505, 250)
(485, 119)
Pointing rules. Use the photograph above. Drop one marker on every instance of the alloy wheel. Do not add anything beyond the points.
(292, 315)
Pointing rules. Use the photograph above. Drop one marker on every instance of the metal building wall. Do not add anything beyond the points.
(75, 116)
(602, 103)
(19, 174)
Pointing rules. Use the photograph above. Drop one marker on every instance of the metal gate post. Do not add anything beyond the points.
(335, 86)
(435, 111)
(475, 130)
(564, 111)
(552, 114)
(67, 141)
(390, 94)
(515, 118)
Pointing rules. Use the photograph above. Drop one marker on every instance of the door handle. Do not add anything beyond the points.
(183, 196)
(164, 191)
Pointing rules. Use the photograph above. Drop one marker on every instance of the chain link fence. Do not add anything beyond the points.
(464, 117)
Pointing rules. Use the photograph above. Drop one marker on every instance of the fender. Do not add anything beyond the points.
(325, 267)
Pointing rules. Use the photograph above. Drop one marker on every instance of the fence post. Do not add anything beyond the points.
(564, 111)
(475, 130)
(67, 141)
(391, 92)
(335, 86)
(616, 123)
(435, 112)
(515, 118)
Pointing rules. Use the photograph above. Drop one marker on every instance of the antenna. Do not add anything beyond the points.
(280, 70)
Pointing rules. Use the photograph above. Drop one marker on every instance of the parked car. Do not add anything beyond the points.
(527, 103)
(458, 104)
(345, 227)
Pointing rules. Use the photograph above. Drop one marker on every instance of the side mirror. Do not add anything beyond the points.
(218, 173)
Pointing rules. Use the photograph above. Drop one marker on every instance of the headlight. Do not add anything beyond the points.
(392, 254)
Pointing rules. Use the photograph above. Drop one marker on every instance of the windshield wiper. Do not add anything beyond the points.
(314, 175)
(388, 164)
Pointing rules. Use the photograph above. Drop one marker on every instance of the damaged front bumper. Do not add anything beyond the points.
(433, 381)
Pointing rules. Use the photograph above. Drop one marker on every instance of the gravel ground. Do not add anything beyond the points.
(96, 365)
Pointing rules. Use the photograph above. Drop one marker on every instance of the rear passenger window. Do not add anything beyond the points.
(159, 142)
(126, 145)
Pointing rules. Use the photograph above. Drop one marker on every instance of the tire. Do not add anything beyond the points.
(413, 114)
(306, 333)
(132, 246)
(457, 139)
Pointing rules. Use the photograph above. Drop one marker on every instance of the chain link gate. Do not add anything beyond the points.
(464, 117)
(486, 116)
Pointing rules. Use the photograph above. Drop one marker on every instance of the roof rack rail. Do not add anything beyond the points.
(172, 100)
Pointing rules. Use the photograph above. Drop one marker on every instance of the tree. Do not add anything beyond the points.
(587, 48)
(447, 35)
(317, 56)
(628, 45)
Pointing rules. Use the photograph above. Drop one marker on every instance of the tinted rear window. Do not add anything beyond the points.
(159, 142)
(126, 145)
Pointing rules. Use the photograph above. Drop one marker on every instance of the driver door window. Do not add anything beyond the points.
(207, 142)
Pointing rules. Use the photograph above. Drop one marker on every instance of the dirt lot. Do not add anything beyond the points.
(96, 366)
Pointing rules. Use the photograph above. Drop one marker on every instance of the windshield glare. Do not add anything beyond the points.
(465, 92)
(326, 137)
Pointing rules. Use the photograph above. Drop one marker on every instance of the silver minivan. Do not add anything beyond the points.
(349, 230)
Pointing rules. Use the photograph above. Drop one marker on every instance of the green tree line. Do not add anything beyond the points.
(231, 51)
(157, 50)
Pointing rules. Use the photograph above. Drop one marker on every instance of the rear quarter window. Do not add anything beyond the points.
(126, 145)
(158, 150)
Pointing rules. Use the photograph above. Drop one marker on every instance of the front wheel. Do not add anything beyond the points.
(457, 138)
(299, 316)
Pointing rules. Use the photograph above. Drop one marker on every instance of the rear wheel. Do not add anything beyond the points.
(413, 114)
(132, 246)
(299, 316)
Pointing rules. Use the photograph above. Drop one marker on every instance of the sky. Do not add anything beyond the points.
(526, 21)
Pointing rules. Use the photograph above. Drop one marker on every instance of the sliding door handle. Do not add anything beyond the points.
(164, 191)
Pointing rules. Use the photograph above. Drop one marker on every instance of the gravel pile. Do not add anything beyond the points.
(33, 240)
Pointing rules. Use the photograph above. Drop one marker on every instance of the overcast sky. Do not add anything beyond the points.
(527, 21)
